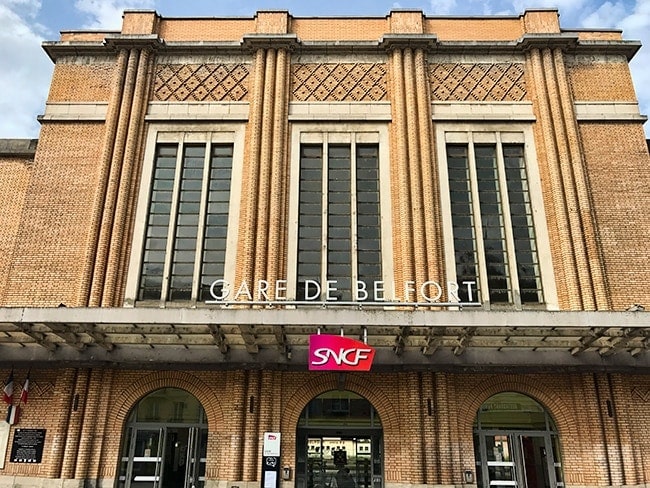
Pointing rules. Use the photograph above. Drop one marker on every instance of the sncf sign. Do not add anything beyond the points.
(337, 353)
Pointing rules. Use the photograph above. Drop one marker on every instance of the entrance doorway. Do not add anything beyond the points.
(165, 442)
(339, 443)
(516, 444)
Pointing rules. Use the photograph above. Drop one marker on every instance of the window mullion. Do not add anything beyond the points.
(507, 223)
(476, 210)
(325, 208)
(200, 231)
(353, 216)
(173, 214)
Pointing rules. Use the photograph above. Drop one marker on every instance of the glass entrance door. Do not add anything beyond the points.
(341, 462)
(164, 457)
(525, 460)
(339, 443)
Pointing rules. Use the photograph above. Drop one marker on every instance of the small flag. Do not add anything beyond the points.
(24, 393)
(8, 392)
(13, 414)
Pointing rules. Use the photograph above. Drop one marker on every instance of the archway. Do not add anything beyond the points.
(164, 443)
(516, 444)
(339, 443)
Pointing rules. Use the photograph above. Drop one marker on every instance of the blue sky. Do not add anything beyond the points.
(26, 69)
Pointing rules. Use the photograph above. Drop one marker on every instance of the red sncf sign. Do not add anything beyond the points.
(337, 353)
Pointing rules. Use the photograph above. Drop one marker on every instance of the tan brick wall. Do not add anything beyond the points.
(474, 29)
(139, 23)
(81, 82)
(14, 181)
(272, 22)
(541, 22)
(597, 35)
(38, 413)
(82, 36)
(205, 29)
(619, 175)
(324, 29)
(235, 433)
(52, 240)
(601, 82)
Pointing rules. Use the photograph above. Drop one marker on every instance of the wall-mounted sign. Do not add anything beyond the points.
(271, 444)
(338, 353)
(27, 446)
(271, 460)
(430, 292)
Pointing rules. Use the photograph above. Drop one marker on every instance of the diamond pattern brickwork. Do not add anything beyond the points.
(339, 82)
(201, 82)
(502, 82)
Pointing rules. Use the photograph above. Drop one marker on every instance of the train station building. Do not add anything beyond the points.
(405, 251)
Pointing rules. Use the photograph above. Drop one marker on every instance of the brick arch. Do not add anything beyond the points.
(176, 379)
(558, 408)
(361, 385)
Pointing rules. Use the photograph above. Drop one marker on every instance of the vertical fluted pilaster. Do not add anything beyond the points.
(278, 189)
(263, 237)
(75, 424)
(401, 193)
(103, 247)
(585, 205)
(262, 225)
(94, 427)
(419, 255)
(112, 185)
(246, 257)
(251, 427)
(429, 175)
(112, 119)
(63, 393)
(117, 241)
(568, 183)
(134, 189)
(557, 185)
(415, 177)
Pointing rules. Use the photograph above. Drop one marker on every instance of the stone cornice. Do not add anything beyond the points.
(568, 43)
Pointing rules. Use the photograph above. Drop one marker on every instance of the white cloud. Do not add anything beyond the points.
(606, 16)
(636, 26)
(26, 70)
(107, 14)
(442, 7)
(564, 6)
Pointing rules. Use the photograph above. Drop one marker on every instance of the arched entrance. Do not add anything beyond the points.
(164, 444)
(339, 443)
(516, 444)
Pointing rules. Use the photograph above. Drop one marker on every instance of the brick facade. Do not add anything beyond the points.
(74, 219)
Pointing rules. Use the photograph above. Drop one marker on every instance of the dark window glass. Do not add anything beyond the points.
(310, 216)
(194, 182)
(491, 204)
(335, 221)
(521, 212)
(462, 217)
(158, 222)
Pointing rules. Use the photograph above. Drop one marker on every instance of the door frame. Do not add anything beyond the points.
(375, 434)
(193, 457)
(518, 456)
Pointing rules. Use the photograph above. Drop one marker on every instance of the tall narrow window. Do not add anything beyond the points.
(492, 222)
(339, 233)
(187, 221)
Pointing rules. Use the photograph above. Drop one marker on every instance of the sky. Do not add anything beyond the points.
(25, 69)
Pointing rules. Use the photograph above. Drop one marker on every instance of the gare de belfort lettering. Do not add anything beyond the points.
(432, 292)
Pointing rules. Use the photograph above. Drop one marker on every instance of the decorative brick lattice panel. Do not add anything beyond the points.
(477, 82)
(339, 82)
(201, 82)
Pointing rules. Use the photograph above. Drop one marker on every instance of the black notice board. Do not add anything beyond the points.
(27, 446)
